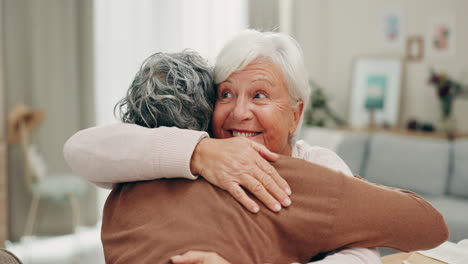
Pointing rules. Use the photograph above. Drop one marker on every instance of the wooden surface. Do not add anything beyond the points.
(395, 258)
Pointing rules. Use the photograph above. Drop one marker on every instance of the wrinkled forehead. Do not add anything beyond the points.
(260, 69)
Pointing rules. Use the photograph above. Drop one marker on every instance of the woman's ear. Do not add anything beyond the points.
(297, 113)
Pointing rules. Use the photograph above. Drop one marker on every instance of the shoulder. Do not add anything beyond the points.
(322, 156)
(305, 151)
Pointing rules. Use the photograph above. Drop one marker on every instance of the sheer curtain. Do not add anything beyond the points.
(126, 32)
(3, 175)
(46, 65)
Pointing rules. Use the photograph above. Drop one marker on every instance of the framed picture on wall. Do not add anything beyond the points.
(414, 48)
(393, 31)
(441, 38)
(375, 91)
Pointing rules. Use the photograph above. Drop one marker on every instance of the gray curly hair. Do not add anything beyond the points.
(170, 89)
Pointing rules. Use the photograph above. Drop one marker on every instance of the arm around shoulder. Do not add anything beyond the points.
(363, 214)
(390, 217)
(126, 152)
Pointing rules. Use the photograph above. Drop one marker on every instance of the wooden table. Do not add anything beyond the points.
(395, 258)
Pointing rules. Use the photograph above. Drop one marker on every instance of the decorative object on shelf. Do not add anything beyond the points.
(447, 91)
(414, 48)
(415, 125)
(375, 91)
(412, 124)
(427, 127)
(319, 112)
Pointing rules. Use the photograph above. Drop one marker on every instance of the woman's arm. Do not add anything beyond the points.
(126, 152)
(364, 214)
(331, 160)
(392, 217)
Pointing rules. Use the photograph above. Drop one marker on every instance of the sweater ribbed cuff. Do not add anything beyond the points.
(173, 152)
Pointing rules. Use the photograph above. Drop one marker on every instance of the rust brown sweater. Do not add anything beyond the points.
(148, 222)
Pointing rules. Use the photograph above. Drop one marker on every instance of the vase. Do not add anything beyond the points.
(448, 125)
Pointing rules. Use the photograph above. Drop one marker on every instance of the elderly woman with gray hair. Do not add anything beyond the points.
(260, 97)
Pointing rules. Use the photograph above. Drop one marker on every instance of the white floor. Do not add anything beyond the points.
(82, 247)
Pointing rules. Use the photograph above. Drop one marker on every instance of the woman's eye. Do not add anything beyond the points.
(260, 96)
(226, 94)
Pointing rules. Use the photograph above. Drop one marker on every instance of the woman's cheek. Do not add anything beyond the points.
(219, 117)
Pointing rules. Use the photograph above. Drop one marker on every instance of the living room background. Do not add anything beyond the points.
(75, 58)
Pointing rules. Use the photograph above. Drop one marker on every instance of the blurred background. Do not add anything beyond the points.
(69, 61)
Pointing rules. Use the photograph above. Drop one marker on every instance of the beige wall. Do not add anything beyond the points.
(263, 15)
(333, 32)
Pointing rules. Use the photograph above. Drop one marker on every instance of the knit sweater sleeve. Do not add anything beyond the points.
(380, 215)
(125, 152)
(331, 160)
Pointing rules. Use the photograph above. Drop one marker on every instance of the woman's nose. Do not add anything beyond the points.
(241, 110)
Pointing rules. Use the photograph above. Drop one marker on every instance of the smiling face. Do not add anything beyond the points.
(254, 103)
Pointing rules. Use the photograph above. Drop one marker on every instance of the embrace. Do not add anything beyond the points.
(179, 195)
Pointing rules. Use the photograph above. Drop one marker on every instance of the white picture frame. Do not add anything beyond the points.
(369, 74)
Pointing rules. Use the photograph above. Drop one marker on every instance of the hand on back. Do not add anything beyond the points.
(199, 257)
(237, 162)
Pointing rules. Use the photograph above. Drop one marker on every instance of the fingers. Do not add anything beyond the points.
(257, 189)
(198, 257)
(278, 181)
(190, 257)
(263, 181)
(265, 152)
(270, 182)
(268, 155)
(185, 260)
(246, 166)
(239, 194)
(260, 190)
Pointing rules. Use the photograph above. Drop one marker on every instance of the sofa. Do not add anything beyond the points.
(435, 168)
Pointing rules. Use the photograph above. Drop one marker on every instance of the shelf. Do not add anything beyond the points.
(401, 131)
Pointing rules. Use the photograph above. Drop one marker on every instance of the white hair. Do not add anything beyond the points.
(280, 48)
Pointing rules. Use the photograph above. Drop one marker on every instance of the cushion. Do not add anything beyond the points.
(350, 146)
(323, 137)
(408, 162)
(459, 182)
(353, 150)
(455, 212)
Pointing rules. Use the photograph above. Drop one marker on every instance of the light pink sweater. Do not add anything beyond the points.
(124, 153)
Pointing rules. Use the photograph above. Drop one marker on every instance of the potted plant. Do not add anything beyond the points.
(447, 91)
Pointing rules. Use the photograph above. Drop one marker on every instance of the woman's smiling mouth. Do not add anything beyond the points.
(237, 133)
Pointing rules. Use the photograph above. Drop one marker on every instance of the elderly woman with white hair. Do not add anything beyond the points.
(262, 88)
